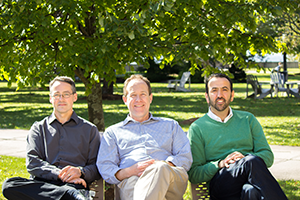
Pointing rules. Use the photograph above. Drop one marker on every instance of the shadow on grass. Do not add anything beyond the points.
(25, 98)
(22, 119)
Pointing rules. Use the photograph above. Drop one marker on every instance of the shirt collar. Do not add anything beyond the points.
(130, 119)
(218, 119)
(74, 117)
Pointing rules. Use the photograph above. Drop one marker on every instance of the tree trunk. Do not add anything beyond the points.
(94, 101)
(95, 108)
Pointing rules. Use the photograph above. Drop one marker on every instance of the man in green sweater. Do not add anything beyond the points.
(229, 148)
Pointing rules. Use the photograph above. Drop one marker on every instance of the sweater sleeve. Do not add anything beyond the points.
(201, 170)
(261, 147)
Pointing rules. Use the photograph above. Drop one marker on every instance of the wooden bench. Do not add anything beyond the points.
(98, 189)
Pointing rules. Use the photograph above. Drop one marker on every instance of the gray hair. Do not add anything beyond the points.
(65, 79)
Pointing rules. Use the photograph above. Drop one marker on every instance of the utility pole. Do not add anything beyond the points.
(285, 72)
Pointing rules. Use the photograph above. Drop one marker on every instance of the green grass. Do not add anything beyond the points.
(291, 189)
(280, 117)
(11, 167)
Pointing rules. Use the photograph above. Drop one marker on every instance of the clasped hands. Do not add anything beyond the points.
(230, 159)
(71, 174)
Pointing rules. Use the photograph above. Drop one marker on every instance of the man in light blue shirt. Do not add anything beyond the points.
(147, 157)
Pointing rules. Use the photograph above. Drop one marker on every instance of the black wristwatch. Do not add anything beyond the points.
(82, 172)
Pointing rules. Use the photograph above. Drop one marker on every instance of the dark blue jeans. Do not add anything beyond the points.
(18, 188)
(247, 179)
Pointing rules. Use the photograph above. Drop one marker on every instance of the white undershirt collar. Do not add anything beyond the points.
(218, 119)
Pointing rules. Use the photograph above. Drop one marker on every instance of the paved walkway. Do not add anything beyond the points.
(285, 167)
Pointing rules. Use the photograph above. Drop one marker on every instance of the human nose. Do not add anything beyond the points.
(219, 93)
(138, 98)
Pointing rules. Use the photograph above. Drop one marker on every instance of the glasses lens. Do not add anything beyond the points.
(56, 96)
(65, 95)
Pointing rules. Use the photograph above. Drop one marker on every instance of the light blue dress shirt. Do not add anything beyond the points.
(129, 142)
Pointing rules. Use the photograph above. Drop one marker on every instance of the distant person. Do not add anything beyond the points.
(147, 157)
(277, 68)
(229, 148)
(61, 152)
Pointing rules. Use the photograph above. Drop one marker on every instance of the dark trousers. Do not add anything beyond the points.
(247, 179)
(18, 188)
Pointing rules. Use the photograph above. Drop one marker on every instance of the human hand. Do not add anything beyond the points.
(135, 170)
(230, 159)
(79, 181)
(69, 174)
(171, 164)
(138, 168)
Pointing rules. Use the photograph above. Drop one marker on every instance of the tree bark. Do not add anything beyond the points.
(94, 101)
(95, 109)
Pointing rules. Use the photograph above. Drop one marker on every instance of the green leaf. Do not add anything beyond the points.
(131, 35)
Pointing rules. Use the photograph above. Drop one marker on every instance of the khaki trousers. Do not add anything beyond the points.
(159, 181)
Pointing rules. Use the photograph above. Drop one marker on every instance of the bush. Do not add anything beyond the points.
(238, 73)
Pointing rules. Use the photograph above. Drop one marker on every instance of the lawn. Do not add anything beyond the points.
(280, 117)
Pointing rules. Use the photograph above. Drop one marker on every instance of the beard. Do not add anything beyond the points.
(215, 105)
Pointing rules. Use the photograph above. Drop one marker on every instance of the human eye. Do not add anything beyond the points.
(66, 95)
(56, 95)
(213, 90)
(225, 89)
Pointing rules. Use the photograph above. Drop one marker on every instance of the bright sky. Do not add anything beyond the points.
(274, 57)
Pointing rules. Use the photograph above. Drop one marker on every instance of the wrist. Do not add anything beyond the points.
(82, 172)
(220, 164)
(122, 174)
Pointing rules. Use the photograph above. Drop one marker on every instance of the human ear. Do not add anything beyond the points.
(124, 99)
(207, 97)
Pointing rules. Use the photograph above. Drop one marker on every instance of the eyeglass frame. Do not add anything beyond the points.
(58, 96)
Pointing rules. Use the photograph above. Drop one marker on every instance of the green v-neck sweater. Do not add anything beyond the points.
(212, 141)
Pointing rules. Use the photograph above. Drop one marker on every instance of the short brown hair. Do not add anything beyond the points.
(218, 75)
(65, 79)
(136, 76)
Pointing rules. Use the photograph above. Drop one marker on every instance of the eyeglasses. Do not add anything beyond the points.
(64, 95)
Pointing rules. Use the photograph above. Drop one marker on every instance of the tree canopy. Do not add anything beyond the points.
(40, 39)
(289, 24)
